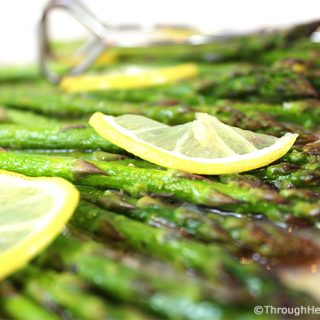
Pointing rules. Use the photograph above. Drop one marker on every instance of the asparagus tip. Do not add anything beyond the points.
(73, 126)
(216, 199)
(83, 167)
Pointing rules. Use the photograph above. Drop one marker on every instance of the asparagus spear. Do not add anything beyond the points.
(252, 116)
(302, 50)
(167, 293)
(296, 158)
(238, 233)
(282, 176)
(309, 154)
(69, 137)
(70, 295)
(8, 116)
(19, 307)
(248, 116)
(115, 158)
(303, 112)
(83, 155)
(308, 68)
(285, 175)
(266, 85)
(247, 47)
(211, 261)
(61, 104)
(140, 181)
(158, 242)
(19, 73)
(258, 85)
(80, 137)
(225, 113)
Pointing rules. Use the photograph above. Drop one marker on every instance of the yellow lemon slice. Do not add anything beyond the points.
(132, 77)
(203, 146)
(32, 213)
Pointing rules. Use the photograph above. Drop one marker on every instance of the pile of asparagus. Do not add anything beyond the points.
(150, 243)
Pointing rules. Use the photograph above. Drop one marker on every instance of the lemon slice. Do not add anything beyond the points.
(32, 212)
(203, 146)
(132, 77)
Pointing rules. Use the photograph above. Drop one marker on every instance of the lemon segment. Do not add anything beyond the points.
(132, 77)
(32, 213)
(203, 146)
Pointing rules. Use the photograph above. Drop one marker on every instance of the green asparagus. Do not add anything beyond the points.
(169, 294)
(241, 47)
(265, 85)
(77, 137)
(140, 181)
(25, 118)
(286, 176)
(69, 294)
(172, 245)
(19, 307)
(238, 233)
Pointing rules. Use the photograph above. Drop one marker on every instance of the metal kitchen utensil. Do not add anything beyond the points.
(104, 36)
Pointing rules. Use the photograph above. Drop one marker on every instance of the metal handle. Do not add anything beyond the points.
(92, 49)
(103, 37)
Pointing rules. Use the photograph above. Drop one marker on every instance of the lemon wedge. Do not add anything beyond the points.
(32, 213)
(203, 146)
(131, 77)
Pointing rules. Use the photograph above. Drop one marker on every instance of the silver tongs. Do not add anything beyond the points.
(104, 36)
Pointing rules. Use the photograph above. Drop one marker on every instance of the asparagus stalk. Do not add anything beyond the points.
(158, 242)
(169, 293)
(291, 160)
(210, 260)
(18, 73)
(309, 154)
(266, 85)
(70, 294)
(240, 233)
(290, 175)
(19, 307)
(308, 68)
(24, 118)
(80, 137)
(60, 104)
(286, 176)
(83, 155)
(244, 47)
(225, 113)
(251, 116)
(271, 85)
(140, 181)
(303, 112)
(68, 137)
(115, 158)
(303, 51)
(158, 293)
(156, 213)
